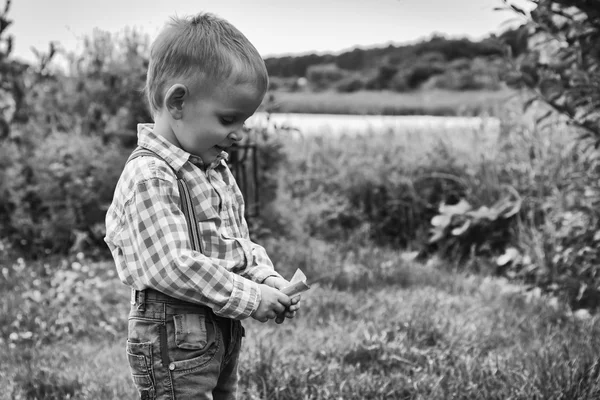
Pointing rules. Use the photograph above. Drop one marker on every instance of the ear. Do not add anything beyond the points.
(174, 99)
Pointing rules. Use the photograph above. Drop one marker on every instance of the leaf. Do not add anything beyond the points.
(484, 212)
(459, 208)
(529, 103)
(508, 207)
(543, 117)
(510, 254)
(437, 234)
(441, 221)
(461, 229)
(518, 10)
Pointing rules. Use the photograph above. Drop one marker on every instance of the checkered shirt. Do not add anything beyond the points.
(147, 234)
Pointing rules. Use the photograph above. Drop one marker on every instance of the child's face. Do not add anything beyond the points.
(212, 121)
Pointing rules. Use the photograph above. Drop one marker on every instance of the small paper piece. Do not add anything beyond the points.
(297, 284)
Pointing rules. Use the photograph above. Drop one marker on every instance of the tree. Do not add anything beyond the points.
(562, 65)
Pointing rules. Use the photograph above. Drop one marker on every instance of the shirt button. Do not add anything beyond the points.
(172, 367)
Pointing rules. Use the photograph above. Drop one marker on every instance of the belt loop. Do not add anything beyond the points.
(138, 297)
(141, 300)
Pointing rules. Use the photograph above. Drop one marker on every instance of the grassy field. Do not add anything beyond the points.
(400, 330)
(376, 324)
(429, 102)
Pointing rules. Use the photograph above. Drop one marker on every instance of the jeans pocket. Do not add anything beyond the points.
(190, 331)
(139, 356)
(195, 344)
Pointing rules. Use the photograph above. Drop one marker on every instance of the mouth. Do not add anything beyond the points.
(221, 148)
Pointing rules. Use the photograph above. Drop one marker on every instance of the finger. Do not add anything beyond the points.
(279, 308)
(280, 284)
(295, 299)
(294, 307)
(280, 318)
(290, 314)
(271, 315)
(284, 299)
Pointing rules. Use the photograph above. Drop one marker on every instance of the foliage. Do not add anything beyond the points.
(61, 160)
(59, 299)
(57, 196)
(466, 232)
(477, 74)
(562, 67)
(323, 75)
(399, 68)
(363, 59)
(561, 73)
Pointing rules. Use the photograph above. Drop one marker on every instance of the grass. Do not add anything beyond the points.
(375, 325)
(412, 332)
(429, 102)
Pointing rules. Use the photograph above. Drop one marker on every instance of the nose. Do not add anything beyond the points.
(237, 135)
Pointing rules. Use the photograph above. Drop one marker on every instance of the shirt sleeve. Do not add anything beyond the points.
(261, 266)
(159, 237)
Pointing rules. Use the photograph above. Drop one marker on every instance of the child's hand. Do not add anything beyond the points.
(290, 312)
(272, 303)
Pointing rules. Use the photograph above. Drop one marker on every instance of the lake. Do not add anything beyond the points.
(464, 133)
(344, 124)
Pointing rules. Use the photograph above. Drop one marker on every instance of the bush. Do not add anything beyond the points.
(416, 75)
(350, 84)
(562, 64)
(323, 76)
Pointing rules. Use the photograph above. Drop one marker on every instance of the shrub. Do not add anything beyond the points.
(350, 84)
(57, 196)
(560, 68)
(323, 76)
(416, 75)
(562, 65)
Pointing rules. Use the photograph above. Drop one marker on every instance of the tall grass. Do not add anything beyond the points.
(429, 102)
(386, 186)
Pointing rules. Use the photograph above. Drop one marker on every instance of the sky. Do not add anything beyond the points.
(275, 27)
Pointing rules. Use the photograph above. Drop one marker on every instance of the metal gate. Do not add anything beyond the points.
(243, 162)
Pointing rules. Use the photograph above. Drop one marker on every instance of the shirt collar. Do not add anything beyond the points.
(173, 155)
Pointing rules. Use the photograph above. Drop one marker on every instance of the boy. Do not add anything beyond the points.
(204, 80)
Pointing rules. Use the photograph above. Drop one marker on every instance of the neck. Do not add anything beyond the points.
(163, 128)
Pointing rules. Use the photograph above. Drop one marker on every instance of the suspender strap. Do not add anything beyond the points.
(184, 193)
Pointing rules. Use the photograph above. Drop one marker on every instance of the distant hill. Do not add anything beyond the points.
(452, 63)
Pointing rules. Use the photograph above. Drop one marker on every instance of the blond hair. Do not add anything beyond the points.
(205, 48)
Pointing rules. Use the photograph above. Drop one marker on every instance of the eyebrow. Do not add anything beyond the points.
(235, 113)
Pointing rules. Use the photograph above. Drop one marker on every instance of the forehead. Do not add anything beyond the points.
(236, 96)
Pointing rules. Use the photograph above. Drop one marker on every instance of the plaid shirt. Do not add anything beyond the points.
(147, 234)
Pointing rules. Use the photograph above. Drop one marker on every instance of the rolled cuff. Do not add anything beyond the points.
(262, 277)
(243, 301)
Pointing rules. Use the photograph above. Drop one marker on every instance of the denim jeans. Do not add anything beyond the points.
(178, 351)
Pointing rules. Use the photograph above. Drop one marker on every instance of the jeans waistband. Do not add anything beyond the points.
(140, 297)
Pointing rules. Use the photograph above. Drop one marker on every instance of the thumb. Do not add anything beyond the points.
(284, 299)
(280, 283)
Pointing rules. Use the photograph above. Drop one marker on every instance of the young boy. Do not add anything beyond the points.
(204, 80)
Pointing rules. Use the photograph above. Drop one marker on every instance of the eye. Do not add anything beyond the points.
(227, 120)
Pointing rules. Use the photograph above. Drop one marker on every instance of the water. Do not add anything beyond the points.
(313, 124)
(469, 135)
